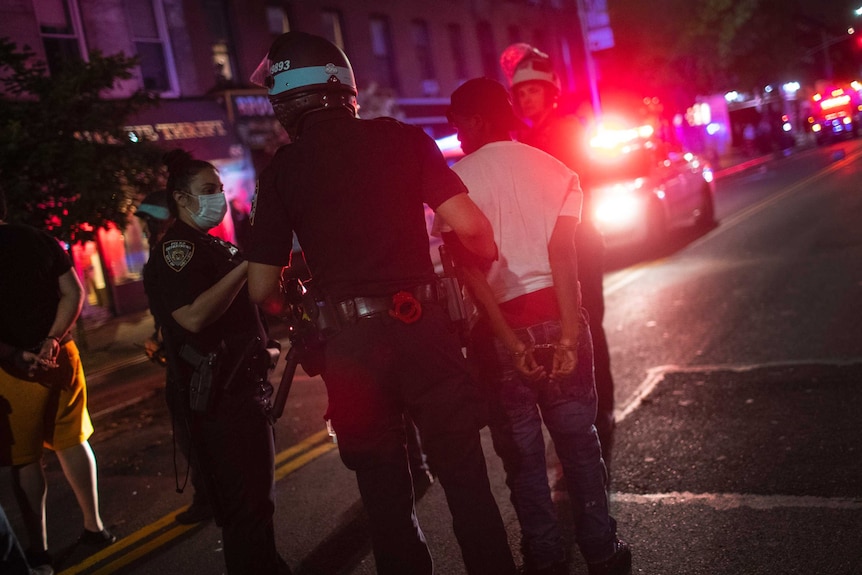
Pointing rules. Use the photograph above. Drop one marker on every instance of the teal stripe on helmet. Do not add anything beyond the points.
(309, 76)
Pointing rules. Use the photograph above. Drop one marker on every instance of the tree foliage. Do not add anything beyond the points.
(707, 46)
(66, 164)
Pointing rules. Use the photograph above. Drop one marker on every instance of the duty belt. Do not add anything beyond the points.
(404, 305)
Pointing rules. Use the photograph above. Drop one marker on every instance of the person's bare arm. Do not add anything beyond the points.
(563, 257)
(211, 304)
(470, 225)
(68, 309)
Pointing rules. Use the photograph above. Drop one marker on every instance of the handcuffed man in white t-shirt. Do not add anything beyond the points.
(531, 344)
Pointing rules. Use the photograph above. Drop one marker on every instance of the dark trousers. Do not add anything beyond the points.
(178, 408)
(236, 455)
(376, 370)
(591, 248)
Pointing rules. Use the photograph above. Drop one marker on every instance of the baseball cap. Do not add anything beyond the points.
(155, 206)
(487, 98)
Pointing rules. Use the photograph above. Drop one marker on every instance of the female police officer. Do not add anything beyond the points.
(213, 338)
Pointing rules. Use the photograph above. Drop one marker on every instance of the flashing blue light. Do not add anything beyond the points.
(713, 128)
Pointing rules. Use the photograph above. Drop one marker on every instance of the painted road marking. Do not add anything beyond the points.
(164, 530)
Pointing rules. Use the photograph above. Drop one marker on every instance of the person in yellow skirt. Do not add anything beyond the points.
(43, 394)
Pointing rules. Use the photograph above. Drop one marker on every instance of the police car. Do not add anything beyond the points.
(641, 186)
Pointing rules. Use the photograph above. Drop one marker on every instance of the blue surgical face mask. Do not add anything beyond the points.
(211, 210)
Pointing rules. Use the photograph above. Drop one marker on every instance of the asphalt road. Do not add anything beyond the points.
(738, 359)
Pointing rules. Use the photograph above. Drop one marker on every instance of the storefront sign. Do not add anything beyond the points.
(179, 130)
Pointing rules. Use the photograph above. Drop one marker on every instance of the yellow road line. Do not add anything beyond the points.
(286, 462)
(303, 459)
(303, 445)
(144, 549)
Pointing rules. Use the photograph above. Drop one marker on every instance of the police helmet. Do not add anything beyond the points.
(304, 73)
(524, 63)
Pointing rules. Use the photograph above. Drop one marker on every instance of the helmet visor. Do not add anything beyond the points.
(262, 76)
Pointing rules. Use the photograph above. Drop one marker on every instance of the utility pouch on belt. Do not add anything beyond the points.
(201, 383)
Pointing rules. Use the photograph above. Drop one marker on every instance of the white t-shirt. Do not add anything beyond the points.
(522, 191)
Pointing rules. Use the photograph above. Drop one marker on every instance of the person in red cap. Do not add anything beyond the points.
(536, 92)
(531, 345)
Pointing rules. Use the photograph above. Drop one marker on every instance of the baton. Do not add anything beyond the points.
(290, 363)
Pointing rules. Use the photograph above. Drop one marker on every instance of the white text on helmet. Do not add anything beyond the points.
(280, 66)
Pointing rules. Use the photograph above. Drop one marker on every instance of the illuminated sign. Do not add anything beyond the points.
(251, 106)
(177, 130)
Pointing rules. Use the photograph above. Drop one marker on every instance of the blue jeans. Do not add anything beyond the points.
(568, 410)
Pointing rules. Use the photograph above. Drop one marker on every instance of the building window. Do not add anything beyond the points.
(487, 50)
(221, 61)
(60, 26)
(424, 57)
(149, 33)
(330, 22)
(382, 53)
(456, 45)
(276, 20)
(222, 46)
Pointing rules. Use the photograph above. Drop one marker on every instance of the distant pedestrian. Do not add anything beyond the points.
(532, 344)
(156, 218)
(42, 382)
(354, 191)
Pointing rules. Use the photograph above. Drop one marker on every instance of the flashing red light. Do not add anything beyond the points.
(835, 102)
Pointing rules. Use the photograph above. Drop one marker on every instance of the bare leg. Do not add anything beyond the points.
(31, 491)
(79, 467)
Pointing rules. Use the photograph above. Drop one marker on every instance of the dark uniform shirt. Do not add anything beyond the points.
(362, 228)
(31, 262)
(186, 263)
(565, 138)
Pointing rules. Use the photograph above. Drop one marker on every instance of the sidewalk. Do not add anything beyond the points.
(109, 344)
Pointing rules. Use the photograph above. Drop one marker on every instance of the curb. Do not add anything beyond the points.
(736, 168)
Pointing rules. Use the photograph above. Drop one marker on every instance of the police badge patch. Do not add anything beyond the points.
(178, 253)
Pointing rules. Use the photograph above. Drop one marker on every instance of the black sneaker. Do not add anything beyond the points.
(620, 563)
(101, 538)
(39, 558)
(196, 513)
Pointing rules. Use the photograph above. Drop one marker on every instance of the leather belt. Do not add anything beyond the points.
(354, 309)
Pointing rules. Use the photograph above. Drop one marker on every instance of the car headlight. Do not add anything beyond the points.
(618, 206)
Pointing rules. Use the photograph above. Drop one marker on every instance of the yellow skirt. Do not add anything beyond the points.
(50, 414)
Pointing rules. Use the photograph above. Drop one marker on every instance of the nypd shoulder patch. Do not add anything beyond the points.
(178, 253)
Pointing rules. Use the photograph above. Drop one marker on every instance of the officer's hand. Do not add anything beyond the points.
(526, 364)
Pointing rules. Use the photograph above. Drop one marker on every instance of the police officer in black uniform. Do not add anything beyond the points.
(353, 191)
(215, 341)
